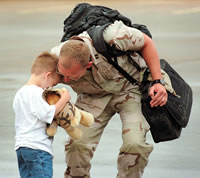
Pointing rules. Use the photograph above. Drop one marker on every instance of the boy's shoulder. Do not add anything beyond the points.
(29, 90)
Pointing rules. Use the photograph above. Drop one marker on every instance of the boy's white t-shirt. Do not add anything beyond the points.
(32, 113)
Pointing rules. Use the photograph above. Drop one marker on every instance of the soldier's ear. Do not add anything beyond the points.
(89, 64)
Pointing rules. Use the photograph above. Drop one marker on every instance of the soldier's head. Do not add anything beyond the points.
(74, 60)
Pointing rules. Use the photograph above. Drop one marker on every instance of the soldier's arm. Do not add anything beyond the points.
(157, 91)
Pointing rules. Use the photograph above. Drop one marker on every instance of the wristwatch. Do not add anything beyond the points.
(161, 81)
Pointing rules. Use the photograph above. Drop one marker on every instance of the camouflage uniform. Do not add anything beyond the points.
(103, 92)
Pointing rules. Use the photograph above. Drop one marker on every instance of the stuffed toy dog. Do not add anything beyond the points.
(69, 118)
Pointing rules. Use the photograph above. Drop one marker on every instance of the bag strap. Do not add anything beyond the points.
(96, 34)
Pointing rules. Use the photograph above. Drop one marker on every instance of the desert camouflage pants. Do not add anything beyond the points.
(134, 152)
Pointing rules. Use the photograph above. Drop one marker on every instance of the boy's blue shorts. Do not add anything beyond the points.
(34, 163)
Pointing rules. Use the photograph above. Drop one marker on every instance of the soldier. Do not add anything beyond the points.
(103, 91)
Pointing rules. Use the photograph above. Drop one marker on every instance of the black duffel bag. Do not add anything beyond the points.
(166, 122)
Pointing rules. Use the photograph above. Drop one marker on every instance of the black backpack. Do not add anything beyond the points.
(85, 16)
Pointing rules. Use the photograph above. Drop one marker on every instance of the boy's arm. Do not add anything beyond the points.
(65, 97)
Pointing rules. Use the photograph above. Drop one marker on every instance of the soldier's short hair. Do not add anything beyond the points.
(74, 51)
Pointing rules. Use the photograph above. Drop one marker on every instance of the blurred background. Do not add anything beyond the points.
(30, 27)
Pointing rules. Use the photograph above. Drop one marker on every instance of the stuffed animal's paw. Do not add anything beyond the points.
(87, 119)
(74, 132)
(51, 129)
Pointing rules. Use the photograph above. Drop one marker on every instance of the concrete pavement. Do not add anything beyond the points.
(29, 27)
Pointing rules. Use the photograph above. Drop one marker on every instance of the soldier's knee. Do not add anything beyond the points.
(133, 146)
(76, 146)
(82, 151)
(137, 146)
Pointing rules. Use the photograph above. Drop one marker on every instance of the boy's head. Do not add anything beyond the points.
(45, 62)
(44, 67)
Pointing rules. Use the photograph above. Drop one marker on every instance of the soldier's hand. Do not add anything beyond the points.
(158, 95)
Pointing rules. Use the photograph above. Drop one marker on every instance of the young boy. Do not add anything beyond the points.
(32, 113)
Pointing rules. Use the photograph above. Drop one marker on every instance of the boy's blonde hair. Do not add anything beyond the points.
(45, 62)
(74, 51)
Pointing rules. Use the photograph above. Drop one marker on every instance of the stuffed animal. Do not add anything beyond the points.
(69, 118)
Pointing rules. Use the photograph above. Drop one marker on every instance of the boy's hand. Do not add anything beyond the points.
(65, 94)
